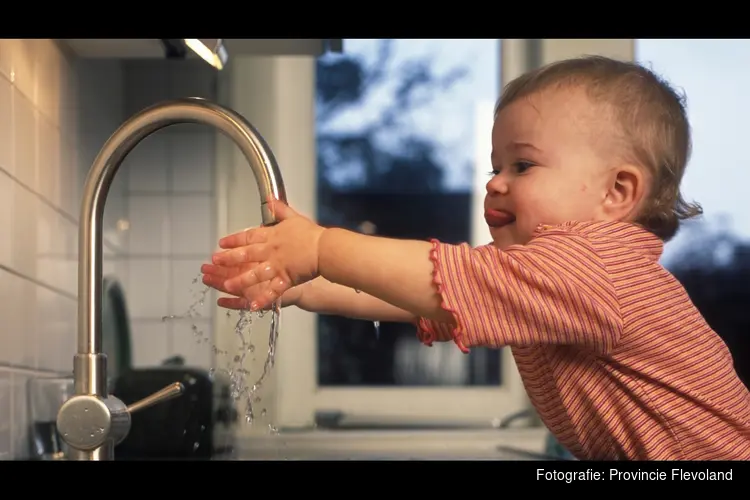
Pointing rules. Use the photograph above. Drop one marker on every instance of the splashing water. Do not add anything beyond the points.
(235, 369)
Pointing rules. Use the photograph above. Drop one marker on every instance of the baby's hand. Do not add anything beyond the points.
(215, 277)
(271, 260)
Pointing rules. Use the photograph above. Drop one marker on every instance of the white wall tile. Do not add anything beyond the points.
(49, 176)
(6, 396)
(55, 330)
(149, 231)
(151, 342)
(23, 69)
(186, 288)
(6, 124)
(6, 54)
(41, 113)
(18, 332)
(192, 219)
(183, 155)
(147, 164)
(146, 84)
(192, 161)
(65, 330)
(7, 188)
(70, 109)
(193, 345)
(191, 79)
(69, 177)
(48, 247)
(56, 112)
(25, 135)
(26, 212)
(47, 69)
(115, 211)
(67, 246)
(148, 290)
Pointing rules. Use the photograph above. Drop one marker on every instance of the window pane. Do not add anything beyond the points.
(710, 255)
(396, 154)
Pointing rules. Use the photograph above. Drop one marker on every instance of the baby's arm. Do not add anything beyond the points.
(323, 297)
(555, 290)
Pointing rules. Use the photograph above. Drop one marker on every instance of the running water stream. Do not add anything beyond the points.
(234, 366)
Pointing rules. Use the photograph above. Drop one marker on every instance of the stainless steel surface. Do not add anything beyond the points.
(92, 422)
(169, 392)
(411, 444)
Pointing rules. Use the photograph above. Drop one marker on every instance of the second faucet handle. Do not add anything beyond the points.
(169, 392)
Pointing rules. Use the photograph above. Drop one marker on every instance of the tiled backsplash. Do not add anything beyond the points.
(170, 197)
(56, 112)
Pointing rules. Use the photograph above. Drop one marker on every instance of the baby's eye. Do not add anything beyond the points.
(492, 172)
(522, 166)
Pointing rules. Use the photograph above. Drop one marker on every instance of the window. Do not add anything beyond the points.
(403, 139)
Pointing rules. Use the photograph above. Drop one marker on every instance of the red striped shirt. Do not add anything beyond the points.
(614, 356)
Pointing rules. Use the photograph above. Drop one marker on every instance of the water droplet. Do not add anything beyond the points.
(196, 445)
(263, 412)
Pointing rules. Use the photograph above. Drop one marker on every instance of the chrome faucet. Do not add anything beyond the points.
(93, 422)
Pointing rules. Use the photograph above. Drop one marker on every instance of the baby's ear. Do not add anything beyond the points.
(627, 188)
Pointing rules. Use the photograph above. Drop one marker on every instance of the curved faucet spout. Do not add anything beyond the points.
(90, 362)
(105, 167)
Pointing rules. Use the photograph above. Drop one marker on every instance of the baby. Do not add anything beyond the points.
(588, 155)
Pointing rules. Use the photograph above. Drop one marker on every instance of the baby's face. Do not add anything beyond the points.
(546, 166)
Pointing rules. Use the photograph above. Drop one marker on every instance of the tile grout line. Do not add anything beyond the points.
(26, 370)
(54, 207)
(37, 282)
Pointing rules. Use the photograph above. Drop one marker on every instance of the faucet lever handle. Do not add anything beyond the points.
(169, 392)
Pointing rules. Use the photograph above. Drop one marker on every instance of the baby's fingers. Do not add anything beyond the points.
(245, 237)
(240, 284)
(264, 295)
(232, 302)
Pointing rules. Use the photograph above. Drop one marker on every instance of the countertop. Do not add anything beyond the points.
(493, 444)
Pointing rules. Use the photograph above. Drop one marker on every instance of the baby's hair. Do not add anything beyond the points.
(650, 125)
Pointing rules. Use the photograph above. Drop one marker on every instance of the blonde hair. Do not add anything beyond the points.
(651, 127)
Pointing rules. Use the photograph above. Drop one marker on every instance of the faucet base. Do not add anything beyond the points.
(89, 422)
(105, 452)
